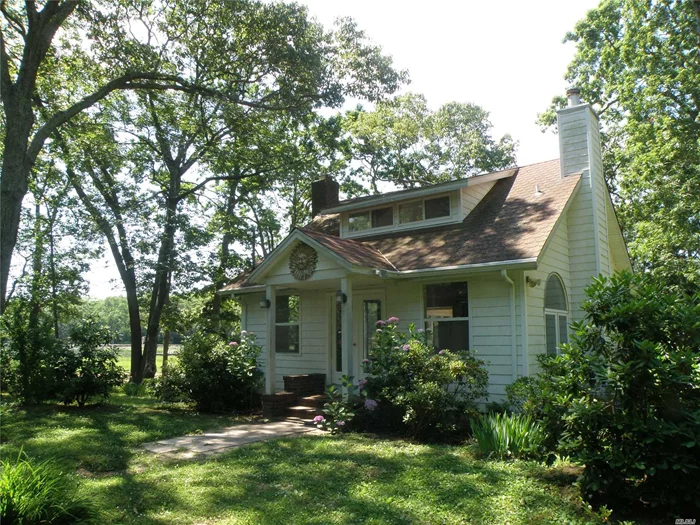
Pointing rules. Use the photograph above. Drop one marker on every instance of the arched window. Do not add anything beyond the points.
(556, 313)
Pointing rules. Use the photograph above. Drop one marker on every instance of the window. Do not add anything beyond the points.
(555, 314)
(382, 217)
(439, 207)
(447, 315)
(358, 221)
(371, 313)
(287, 324)
(411, 212)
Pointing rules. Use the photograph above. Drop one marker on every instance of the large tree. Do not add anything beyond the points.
(403, 142)
(638, 63)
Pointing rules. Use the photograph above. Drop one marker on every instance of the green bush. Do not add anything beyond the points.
(508, 436)
(217, 375)
(627, 391)
(87, 368)
(40, 493)
(417, 390)
(28, 354)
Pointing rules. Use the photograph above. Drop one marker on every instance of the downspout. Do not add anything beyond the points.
(513, 341)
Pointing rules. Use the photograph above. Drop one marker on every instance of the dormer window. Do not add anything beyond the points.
(375, 218)
(424, 209)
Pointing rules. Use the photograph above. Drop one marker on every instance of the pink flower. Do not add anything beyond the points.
(441, 352)
(340, 423)
(405, 348)
(319, 419)
(243, 332)
(392, 320)
(380, 323)
(361, 384)
(233, 343)
(420, 330)
(370, 404)
(365, 361)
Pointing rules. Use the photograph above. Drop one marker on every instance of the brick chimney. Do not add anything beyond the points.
(324, 193)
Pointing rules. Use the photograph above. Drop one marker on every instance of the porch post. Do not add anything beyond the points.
(346, 326)
(270, 293)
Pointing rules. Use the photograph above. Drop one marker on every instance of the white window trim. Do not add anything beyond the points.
(300, 352)
(556, 314)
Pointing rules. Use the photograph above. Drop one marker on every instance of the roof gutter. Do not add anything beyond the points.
(529, 263)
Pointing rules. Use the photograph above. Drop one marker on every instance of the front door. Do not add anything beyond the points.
(368, 309)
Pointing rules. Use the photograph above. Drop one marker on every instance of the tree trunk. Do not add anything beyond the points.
(225, 251)
(13, 188)
(166, 347)
(161, 284)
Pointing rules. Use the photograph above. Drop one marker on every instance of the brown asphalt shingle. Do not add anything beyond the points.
(511, 222)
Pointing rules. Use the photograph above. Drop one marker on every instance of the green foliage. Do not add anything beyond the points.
(403, 142)
(36, 493)
(508, 435)
(624, 396)
(27, 354)
(636, 63)
(424, 393)
(88, 367)
(217, 375)
(340, 408)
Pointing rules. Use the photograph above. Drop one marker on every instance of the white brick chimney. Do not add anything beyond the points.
(580, 152)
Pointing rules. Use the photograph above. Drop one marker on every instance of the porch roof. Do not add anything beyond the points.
(510, 224)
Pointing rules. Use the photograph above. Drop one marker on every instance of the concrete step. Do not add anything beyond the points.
(303, 412)
(316, 401)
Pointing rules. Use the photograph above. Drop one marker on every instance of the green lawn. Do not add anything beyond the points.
(124, 355)
(346, 479)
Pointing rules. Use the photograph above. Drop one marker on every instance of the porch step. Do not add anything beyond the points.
(316, 401)
(303, 412)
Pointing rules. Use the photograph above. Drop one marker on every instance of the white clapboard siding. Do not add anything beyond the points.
(555, 259)
(472, 195)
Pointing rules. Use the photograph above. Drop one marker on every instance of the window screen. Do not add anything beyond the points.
(447, 315)
(358, 221)
(287, 324)
(411, 212)
(555, 297)
(382, 217)
(439, 207)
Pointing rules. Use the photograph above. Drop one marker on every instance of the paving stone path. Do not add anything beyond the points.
(225, 439)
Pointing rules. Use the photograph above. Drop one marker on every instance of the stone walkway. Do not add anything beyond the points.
(225, 439)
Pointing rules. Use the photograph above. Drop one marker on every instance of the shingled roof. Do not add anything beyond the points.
(512, 222)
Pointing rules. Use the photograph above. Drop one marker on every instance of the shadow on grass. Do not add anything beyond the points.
(100, 438)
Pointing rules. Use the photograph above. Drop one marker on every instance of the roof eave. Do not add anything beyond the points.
(529, 263)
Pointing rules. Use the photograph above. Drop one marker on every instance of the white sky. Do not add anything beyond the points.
(505, 56)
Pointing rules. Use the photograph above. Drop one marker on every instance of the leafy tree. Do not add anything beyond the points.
(405, 143)
(637, 62)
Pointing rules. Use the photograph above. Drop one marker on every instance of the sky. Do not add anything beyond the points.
(506, 56)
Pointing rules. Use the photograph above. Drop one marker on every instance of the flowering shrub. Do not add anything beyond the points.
(216, 374)
(340, 409)
(413, 389)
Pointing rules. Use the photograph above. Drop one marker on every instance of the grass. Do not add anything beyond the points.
(344, 479)
(124, 355)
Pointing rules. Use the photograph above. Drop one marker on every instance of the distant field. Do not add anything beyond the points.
(125, 355)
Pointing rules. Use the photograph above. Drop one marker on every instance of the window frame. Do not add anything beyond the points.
(558, 314)
(427, 321)
(396, 224)
(297, 324)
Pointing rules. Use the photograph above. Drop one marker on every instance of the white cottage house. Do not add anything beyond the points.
(496, 263)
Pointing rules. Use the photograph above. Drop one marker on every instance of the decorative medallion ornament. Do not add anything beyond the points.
(302, 262)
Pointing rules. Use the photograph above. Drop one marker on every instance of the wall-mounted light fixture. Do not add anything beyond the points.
(532, 282)
(340, 297)
(264, 302)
